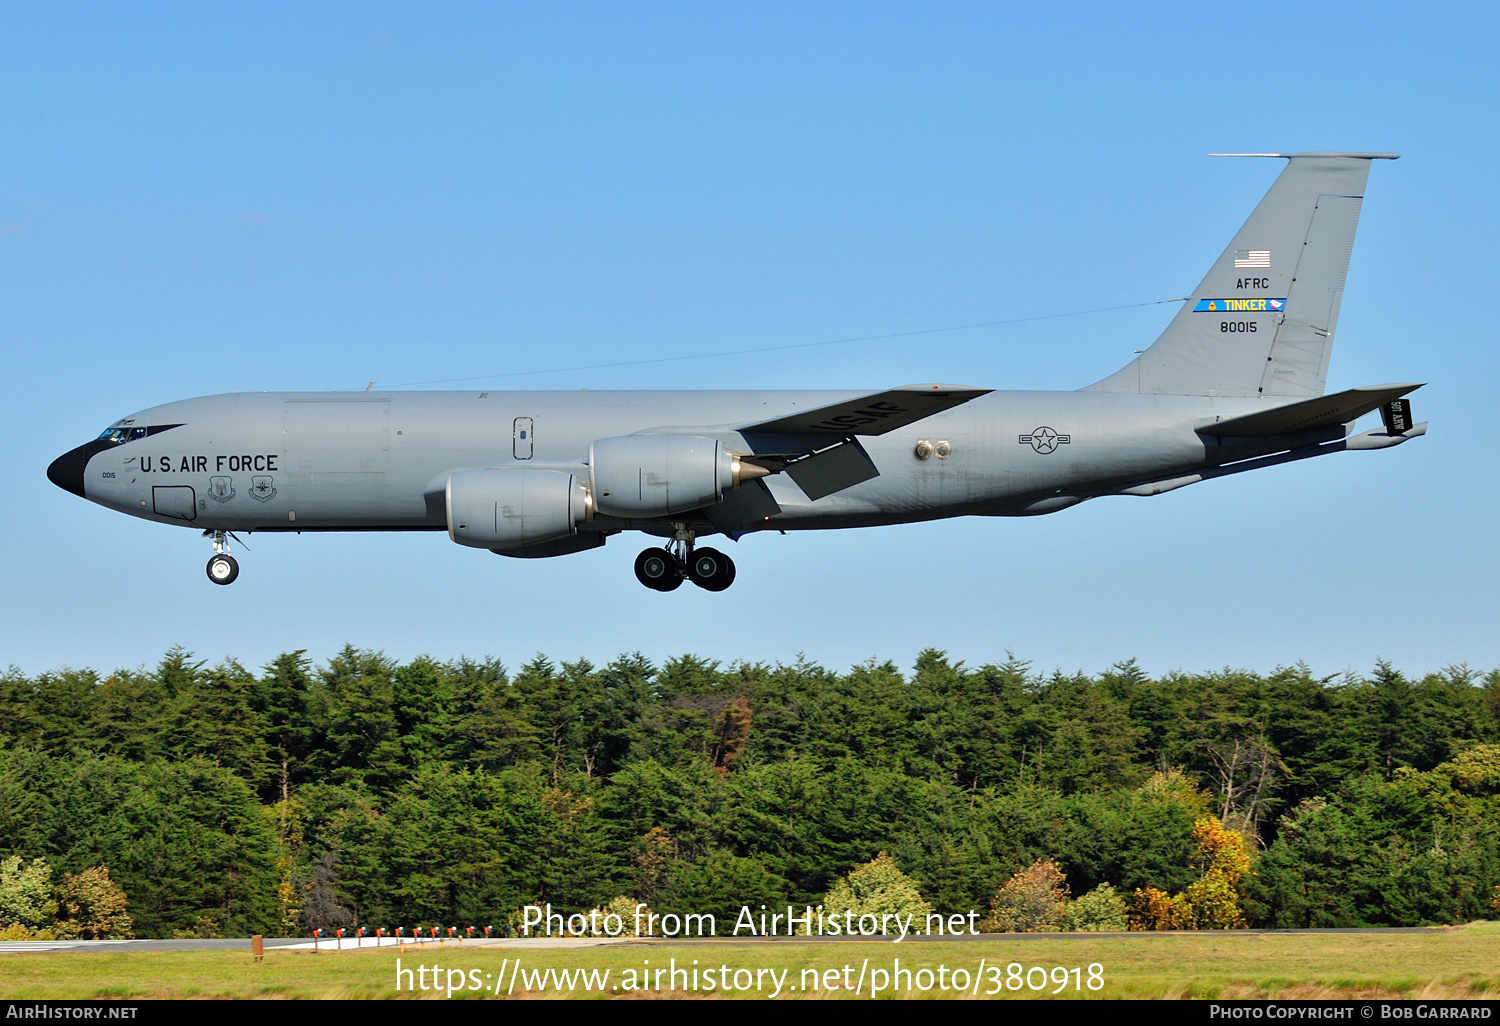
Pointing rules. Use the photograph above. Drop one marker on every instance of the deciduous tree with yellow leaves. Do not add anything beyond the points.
(1212, 902)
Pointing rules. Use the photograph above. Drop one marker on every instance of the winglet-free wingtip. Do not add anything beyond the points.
(1410, 386)
(969, 390)
(1356, 156)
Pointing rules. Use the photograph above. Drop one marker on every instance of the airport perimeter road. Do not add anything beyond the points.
(35, 946)
(301, 944)
(354, 944)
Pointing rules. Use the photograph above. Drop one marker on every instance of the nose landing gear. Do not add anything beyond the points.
(222, 567)
(665, 569)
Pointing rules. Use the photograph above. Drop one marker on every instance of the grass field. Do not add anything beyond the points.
(1462, 962)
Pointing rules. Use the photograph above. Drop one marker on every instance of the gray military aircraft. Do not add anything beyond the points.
(1235, 383)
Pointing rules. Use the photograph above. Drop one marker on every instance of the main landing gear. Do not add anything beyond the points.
(665, 569)
(222, 567)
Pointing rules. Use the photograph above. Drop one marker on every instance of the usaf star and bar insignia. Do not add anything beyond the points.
(1045, 440)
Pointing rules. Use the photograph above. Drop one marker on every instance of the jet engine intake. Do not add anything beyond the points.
(515, 507)
(657, 475)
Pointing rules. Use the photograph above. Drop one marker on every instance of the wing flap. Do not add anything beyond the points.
(746, 506)
(833, 469)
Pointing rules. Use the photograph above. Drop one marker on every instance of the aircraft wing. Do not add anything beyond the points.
(817, 448)
(872, 414)
(1323, 412)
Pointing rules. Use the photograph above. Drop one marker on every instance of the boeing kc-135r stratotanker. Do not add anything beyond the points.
(1235, 383)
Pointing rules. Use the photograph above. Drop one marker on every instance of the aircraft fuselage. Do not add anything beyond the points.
(269, 461)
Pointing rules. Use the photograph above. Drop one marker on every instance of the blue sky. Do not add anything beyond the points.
(203, 198)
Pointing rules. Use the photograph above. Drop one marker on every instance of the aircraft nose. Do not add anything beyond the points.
(67, 470)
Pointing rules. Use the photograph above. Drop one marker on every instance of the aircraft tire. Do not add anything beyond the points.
(223, 569)
(711, 570)
(657, 570)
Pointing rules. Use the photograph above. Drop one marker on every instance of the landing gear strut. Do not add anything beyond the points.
(665, 569)
(222, 567)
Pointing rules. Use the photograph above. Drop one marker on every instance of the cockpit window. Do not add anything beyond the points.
(118, 433)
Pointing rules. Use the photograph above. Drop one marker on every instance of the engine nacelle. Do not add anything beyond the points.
(506, 509)
(656, 475)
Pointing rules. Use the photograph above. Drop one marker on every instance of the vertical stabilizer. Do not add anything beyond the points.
(1262, 320)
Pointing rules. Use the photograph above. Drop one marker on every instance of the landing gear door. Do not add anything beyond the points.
(522, 443)
(177, 501)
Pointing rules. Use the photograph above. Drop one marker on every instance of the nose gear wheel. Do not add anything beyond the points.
(222, 567)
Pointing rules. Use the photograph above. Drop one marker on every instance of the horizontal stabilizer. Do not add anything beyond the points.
(872, 414)
(1379, 439)
(1310, 414)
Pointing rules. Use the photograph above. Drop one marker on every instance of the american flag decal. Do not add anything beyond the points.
(1252, 258)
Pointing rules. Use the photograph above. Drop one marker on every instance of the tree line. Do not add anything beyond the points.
(368, 791)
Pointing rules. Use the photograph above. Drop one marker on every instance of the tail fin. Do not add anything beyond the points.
(1262, 320)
